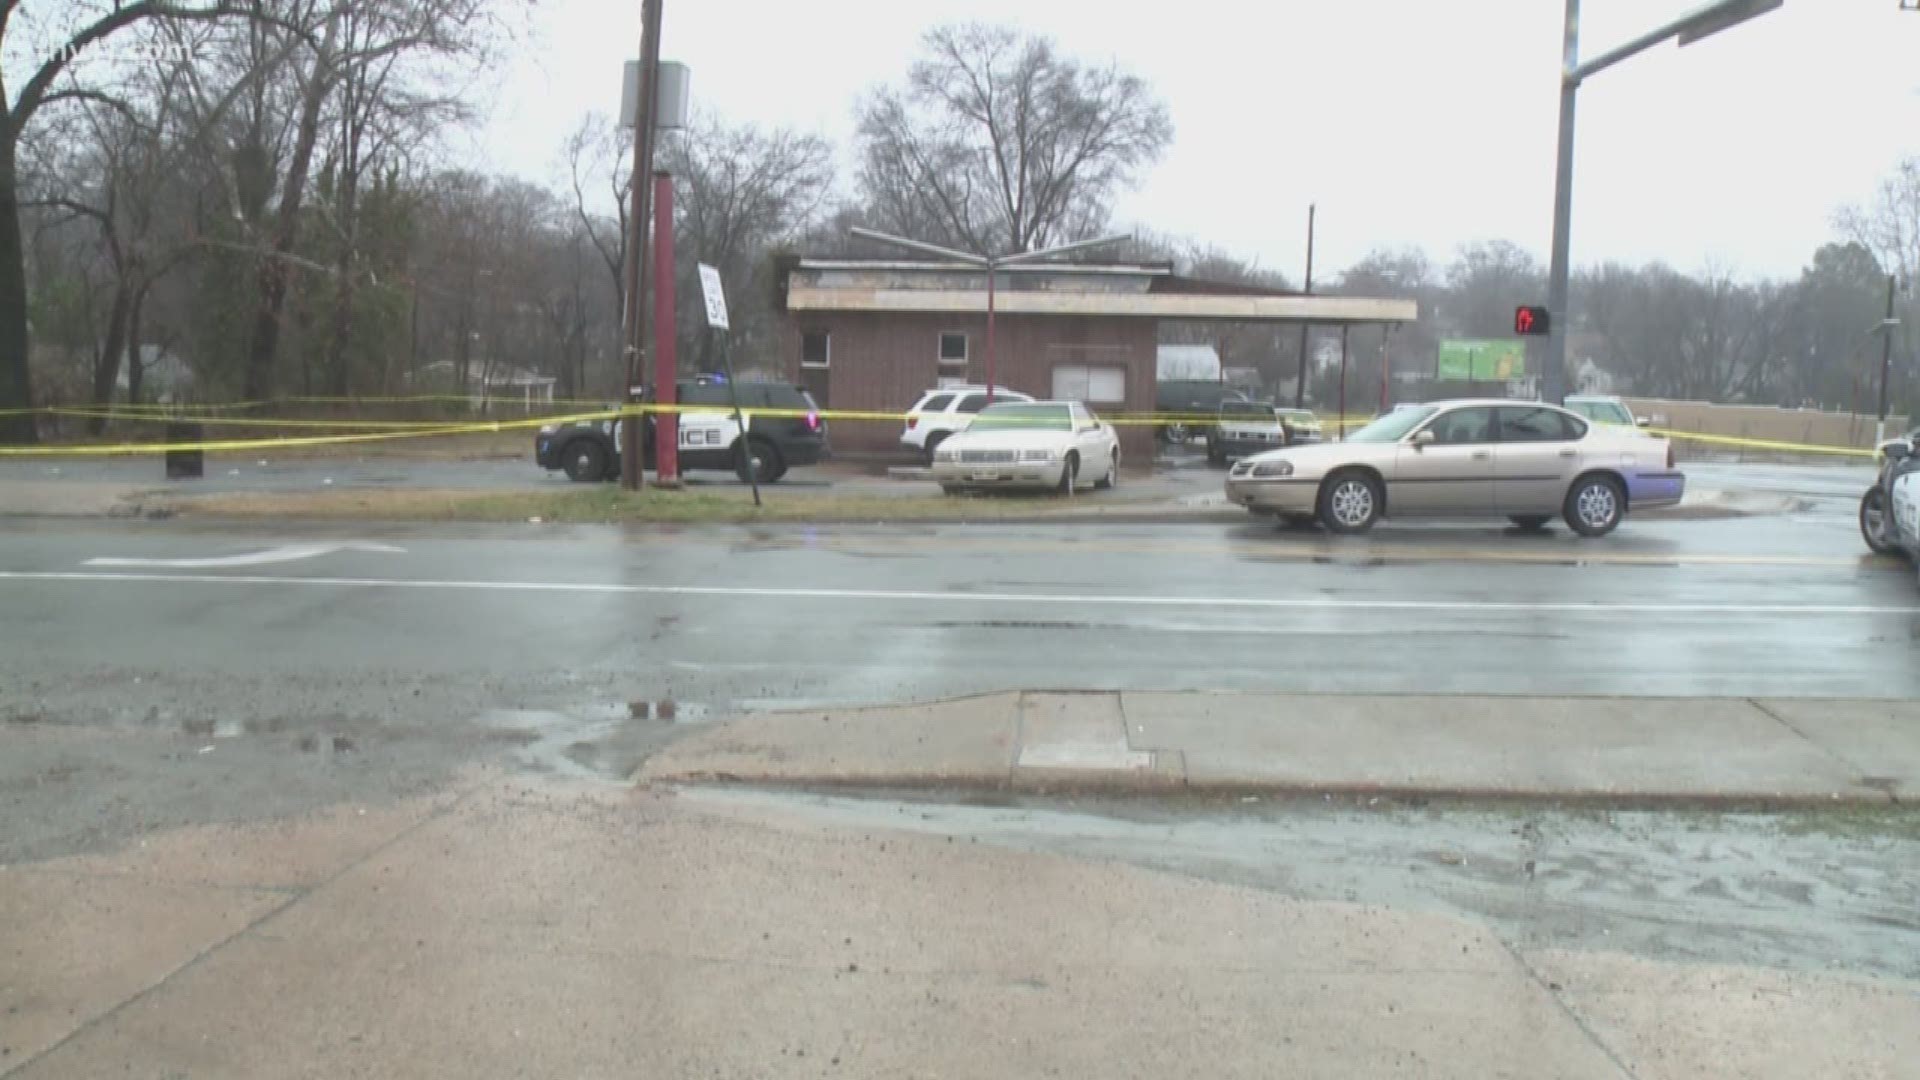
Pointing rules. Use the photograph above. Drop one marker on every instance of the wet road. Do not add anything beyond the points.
(466, 619)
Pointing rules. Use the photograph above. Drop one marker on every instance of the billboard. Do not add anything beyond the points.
(1469, 360)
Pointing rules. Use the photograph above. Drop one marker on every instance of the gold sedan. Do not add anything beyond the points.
(1525, 461)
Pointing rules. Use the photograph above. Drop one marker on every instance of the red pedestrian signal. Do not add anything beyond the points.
(1530, 320)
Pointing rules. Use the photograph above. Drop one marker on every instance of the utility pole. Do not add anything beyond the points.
(1300, 379)
(632, 467)
(1886, 362)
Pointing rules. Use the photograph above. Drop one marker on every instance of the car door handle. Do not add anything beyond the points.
(1481, 455)
(1567, 453)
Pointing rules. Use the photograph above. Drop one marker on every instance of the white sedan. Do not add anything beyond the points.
(1041, 444)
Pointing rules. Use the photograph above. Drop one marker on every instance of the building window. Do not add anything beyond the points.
(953, 347)
(815, 348)
(1094, 384)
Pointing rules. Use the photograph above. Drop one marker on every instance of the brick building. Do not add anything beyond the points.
(871, 336)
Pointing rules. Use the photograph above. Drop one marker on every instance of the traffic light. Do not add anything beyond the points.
(1530, 320)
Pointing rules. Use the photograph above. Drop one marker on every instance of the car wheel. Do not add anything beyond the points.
(1069, 474)
(1594, 506)
(1531, 522)
(933, 443)
(1875, 523)
(761, 458)
(1350, 502)
(1177, 433)
(584, 460)
(1112, 479)
(950, 489)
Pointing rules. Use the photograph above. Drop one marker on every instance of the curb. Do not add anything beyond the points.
(1150, 784)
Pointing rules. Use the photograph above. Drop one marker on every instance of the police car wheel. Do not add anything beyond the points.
(584, 460)
(758, 458)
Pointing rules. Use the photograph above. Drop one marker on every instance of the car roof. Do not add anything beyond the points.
(1454, 402)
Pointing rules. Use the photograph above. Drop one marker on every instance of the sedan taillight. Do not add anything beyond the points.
(912, 419)
(1670, 453)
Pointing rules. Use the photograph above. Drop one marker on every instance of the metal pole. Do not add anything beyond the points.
(1886, 362)
(666, 423)
(1300, 380)
(1343, 384)
(1553, 370)
(992, 272)
(632, 467)
(1386, 364)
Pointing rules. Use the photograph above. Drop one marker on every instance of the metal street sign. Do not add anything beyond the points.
(670, 113)
(715, 297)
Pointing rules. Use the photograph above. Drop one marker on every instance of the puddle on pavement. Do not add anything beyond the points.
(1812, 890)
(598, 742)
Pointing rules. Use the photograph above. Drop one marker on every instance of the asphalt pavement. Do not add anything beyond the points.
(733, 617)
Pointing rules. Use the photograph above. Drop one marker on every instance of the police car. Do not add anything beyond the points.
(709, 436)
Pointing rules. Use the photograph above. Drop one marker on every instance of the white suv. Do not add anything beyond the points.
(943, 411)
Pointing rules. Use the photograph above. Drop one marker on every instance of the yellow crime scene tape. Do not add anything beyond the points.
(358, 431)
(1764, 444)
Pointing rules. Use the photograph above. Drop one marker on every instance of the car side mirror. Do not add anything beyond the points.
(1423, 439)
(1897, 450)
(1643, 421)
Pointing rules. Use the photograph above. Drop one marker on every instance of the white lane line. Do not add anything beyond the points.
(919, 596)
(285, 553)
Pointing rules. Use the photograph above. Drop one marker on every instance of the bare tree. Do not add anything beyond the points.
(999, 143)
(599, 167)
(740, 192)
(86, 27)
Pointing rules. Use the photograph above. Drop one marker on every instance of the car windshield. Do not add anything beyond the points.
(1246, 408)
(1023, 418)
(1393, 426)
(1299, 416)
(1607, 412)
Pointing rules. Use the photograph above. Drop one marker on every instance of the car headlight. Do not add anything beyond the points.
(548, 429)
(1039, 455)
(944, 455)
(1273, 468)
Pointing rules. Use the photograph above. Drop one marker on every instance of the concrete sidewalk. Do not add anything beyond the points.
(516, 929)
(1622, 751)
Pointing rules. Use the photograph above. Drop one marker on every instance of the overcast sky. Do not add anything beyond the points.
(1409, 122)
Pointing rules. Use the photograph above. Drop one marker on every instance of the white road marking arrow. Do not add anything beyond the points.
(286, 553)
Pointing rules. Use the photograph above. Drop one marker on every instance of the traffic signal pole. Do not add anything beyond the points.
(1698, 24)
(1553, 370)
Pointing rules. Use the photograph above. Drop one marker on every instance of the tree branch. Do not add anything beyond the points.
(33, 95)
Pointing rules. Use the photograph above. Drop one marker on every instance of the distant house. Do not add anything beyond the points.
(165, 378)
(1591, 378)
(500, 382)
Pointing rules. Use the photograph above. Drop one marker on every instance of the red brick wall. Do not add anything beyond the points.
(884, 362)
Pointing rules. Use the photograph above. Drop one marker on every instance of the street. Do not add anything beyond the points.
(757, 617)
